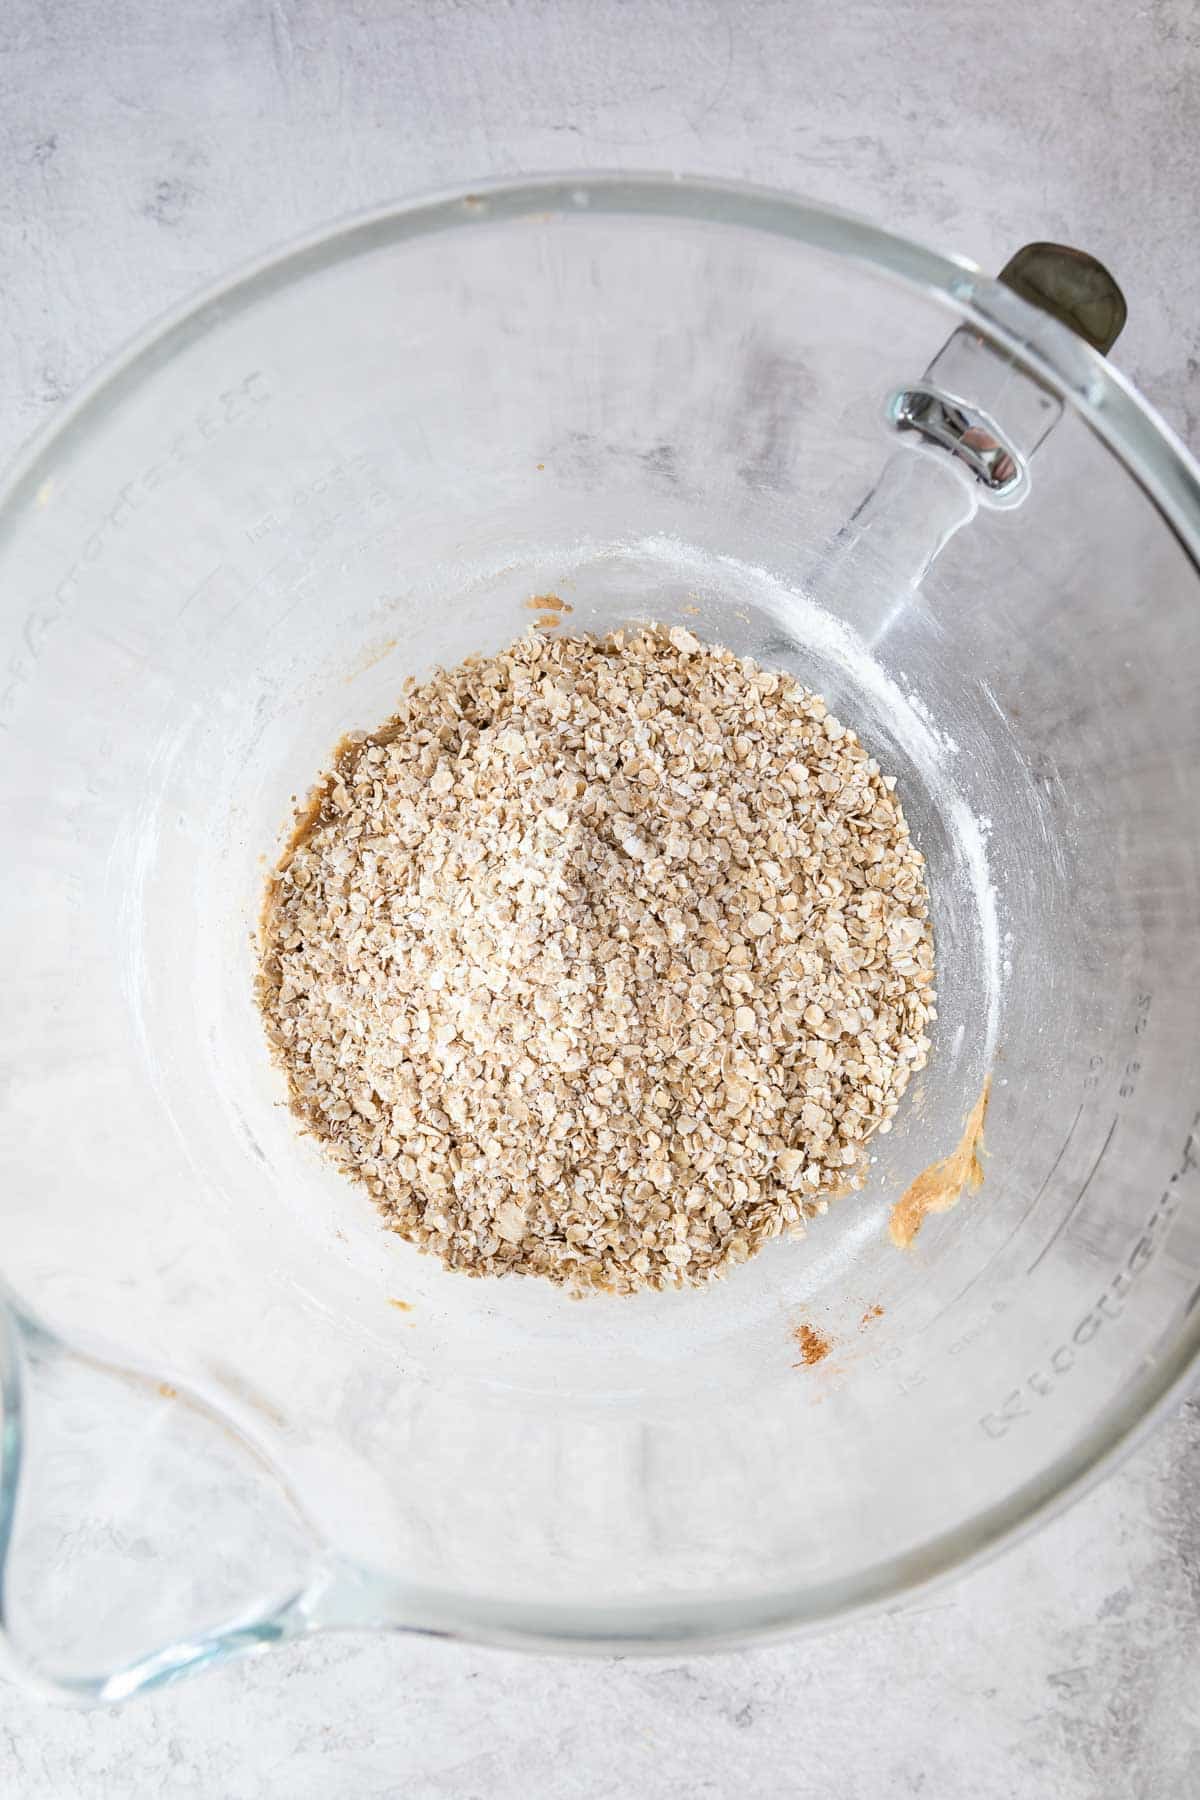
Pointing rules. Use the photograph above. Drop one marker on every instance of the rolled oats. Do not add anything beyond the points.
(602, 960)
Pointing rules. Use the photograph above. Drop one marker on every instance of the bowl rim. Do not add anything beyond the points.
(1152, 455)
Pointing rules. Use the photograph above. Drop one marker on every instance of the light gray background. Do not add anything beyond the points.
(146, 146)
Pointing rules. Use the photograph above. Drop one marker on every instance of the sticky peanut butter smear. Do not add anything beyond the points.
(940, 1186)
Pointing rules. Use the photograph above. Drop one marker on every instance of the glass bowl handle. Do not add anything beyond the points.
(970, 425)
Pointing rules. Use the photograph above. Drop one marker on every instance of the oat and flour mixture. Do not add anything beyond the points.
(602, 960)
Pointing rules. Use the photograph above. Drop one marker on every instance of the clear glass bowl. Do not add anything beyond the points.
(235, 1408)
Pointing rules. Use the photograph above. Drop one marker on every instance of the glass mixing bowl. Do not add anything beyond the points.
(235, 1409)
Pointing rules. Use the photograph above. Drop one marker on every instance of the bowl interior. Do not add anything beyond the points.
(360, 463)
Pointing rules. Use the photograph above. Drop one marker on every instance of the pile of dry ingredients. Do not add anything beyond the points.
(602, 960)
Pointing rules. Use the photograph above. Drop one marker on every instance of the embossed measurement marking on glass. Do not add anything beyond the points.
(1075, 1204)
(1054, 1165)
(1021, 1221)
(233, 406)
(1017, 1228)
(1045, 1380)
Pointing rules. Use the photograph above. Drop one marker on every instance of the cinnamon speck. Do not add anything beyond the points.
(400, 1305)
(872, 1312)
(167, 1391)
(812, 1346)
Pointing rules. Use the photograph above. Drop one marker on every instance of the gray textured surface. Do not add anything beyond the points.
(145, 149)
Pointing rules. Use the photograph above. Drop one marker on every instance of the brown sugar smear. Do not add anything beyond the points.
(940, 1186)
(602, 960)
(550, 609)
(548, 603)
